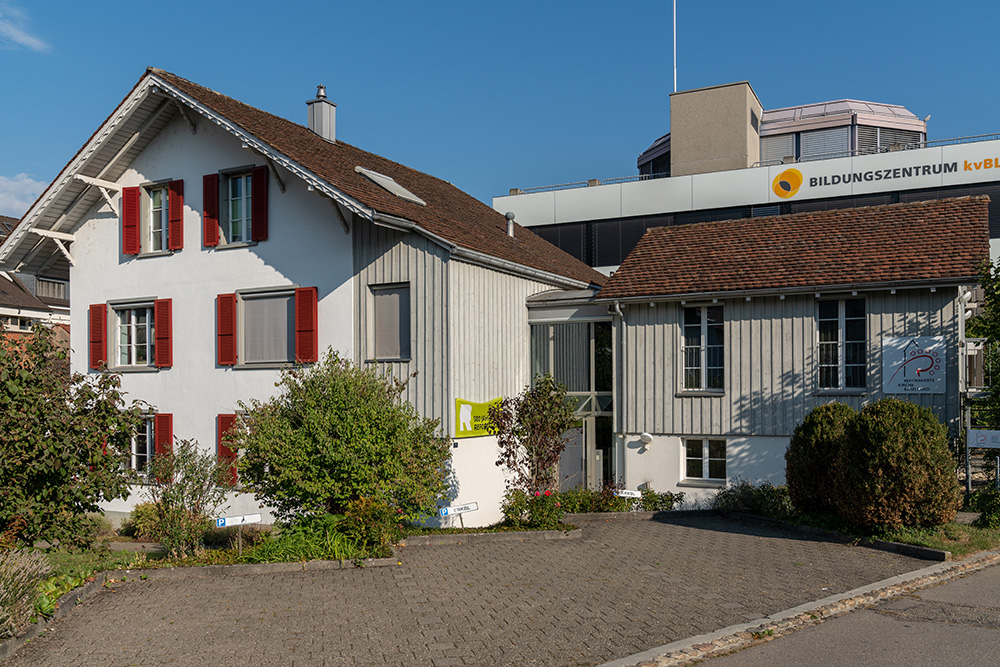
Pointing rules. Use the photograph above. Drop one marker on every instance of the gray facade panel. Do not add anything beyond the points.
(771, 363)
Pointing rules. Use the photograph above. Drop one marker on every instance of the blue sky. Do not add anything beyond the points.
(488, 96)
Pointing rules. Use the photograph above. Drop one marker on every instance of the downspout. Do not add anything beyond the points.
(616, 365)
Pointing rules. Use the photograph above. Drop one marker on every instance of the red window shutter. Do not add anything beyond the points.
(98, 336)
(175, 218)
(226, 329)
(210, 218)
(130, 221)
(163, 433)
(163, 326)
(306, 338)
(225, 451)
(258, 206)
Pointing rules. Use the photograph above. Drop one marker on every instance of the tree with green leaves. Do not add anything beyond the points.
(337, 433)
(530, 430)
(64, 442)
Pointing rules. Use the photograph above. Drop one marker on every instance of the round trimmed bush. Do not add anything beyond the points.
(812, 455)
(895, 468)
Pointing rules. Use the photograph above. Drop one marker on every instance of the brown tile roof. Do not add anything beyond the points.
(939, 240)
(7, 225)
(450, 213)
(13, 294)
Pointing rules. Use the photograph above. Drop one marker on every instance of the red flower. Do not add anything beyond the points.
(537, 494)
(548, 492)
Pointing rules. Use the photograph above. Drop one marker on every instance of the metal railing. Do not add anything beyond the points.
(767, 163)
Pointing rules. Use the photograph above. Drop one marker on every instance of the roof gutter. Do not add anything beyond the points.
(816, 289)
(404, 225)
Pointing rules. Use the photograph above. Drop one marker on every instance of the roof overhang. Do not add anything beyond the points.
(819, 290)
(81, 184)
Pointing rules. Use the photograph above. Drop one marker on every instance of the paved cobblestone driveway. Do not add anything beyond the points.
(625, 587)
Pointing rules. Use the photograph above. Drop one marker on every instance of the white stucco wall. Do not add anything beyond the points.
(477, 479)
(661, 463)
(307, 247)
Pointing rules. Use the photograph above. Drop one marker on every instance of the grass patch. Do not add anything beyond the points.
(960, 539)
(74, 562)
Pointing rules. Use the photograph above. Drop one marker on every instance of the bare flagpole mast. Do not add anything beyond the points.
(675, 46)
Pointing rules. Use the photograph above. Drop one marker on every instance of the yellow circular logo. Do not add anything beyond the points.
(787, 183)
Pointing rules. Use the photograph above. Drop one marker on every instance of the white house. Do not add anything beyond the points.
(213, 244)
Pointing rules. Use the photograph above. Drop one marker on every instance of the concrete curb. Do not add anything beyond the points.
(742, 635)
(590, 517)
(64, 605)
(445, 539)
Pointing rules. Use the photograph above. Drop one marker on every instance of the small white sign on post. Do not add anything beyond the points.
(627, 493)
(227, 521)
(459, 509)
(980, 439)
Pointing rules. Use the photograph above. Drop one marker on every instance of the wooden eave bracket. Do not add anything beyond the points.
(340, 214)
(192, 123)
(106, 188)
(57, 238)
(64, 251)
(274, 172)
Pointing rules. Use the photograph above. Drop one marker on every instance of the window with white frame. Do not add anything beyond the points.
(237, 191)
(268, 327)
(15, 323)
(157, 216)
(704, 348)
(136, 335)
(705, 458)
(842, 344)
(392, 321)
(142, 445)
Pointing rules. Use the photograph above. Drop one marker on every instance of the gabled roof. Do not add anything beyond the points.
(938, 241)
(13, 294)
(7, 225)
(450, 216)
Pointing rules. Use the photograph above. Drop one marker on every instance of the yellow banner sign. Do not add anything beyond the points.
(471, 418)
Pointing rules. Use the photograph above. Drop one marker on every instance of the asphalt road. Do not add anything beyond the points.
(955, 623)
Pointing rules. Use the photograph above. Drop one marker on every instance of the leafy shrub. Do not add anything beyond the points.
(53, 588)
(578, 500)
(765, 499)
(652, 501)
(229, 538)
(337, 433)
(141, 522)
(529, 429)
(583, 500)
(895, 468)
(544, 511)
(988, 506)
(21, 572)
(63, 443)
(373, 525)
(515, 508)
(812, 457)
(307, 538)
(186, 487)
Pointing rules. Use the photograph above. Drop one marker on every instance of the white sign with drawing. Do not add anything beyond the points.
(984, 439)
(228, 521)
(627, 493)
(914, 365)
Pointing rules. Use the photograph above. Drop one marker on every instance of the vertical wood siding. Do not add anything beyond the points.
(771, 362)
(489, 336)
(384, 256)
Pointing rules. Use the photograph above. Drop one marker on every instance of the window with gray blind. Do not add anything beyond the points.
(268, 328)
(822, 144)
(777, 147)
(392, 321)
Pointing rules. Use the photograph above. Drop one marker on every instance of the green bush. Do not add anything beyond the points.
(186, 487)
(337, 433)
(141, 522)
(812, 456)
(895, 468)
(515, 508)
(373, 526)
(988, 506)
(21, 573)
(64, 442)
(765, 499)
(659, 502)
(581, 500)
(317, 537)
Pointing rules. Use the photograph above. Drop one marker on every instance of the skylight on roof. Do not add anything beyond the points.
(389, 184)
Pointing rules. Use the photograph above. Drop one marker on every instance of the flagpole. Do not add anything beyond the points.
(675, 46)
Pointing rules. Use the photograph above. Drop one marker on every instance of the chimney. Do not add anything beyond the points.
(510, 222)
(322, 118)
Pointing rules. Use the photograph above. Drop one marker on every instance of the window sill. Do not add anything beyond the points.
(712, 393)
(268, 365)
(389, 360)
(703, 483)
(155, 253)
(134, 369)
(840, 392)
(238, 244)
